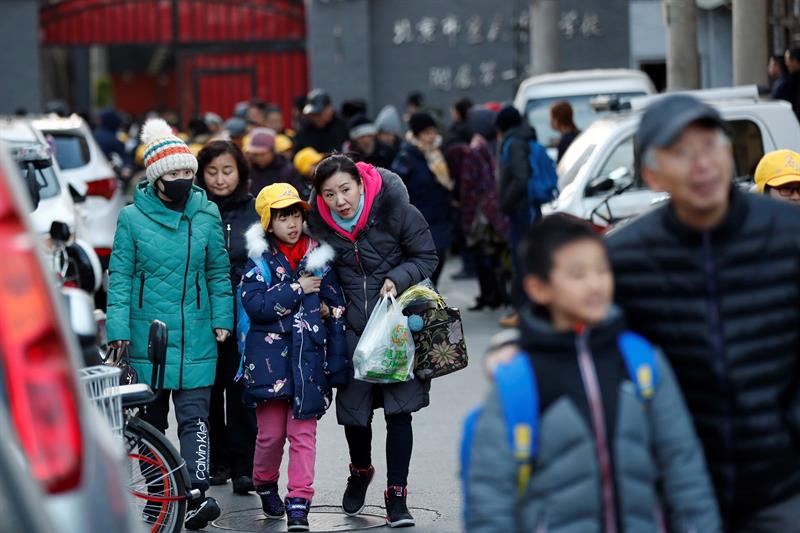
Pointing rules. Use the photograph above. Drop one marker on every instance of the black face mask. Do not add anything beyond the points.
(176, 190)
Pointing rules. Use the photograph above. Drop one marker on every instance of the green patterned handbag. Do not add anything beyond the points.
(439, 345)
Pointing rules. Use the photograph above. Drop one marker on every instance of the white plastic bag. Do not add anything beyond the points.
(385, 351)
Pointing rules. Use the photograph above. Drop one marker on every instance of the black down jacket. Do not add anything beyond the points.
(516, 170)
(724, 305)
(396, 244)
(238, 213)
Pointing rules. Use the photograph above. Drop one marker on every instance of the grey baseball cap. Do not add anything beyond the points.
(665, 120)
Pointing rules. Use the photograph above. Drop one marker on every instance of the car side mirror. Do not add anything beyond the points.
(59, 231)
(599, 185)
(157, 352)
(620, 176)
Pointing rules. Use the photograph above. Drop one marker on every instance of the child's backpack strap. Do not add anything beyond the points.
(519, 397)
(242, 320)
(640, 359)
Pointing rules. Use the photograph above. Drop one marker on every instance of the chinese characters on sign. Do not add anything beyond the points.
(573, 24)
(466, 76)
(474, 29)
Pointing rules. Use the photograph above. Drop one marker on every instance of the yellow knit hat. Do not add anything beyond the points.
(305, 159)
(777, 168)
(276, 196)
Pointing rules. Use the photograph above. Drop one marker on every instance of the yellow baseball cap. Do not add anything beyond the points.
(305, 159)
(777, 168)
(277, 196)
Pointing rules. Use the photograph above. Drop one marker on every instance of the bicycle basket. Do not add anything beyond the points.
(102, 387)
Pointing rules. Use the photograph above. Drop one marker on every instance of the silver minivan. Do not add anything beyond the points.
(597, 179)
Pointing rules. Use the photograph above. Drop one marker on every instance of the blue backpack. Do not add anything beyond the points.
(242, 319)
(519, 397)
(543, 183)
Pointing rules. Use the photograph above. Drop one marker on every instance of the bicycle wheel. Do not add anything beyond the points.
(155, 477)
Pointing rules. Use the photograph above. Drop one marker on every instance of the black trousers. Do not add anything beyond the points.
(399, 443)
(191, 412)
(232, 424)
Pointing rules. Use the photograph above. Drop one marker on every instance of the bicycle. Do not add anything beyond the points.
(157, 475)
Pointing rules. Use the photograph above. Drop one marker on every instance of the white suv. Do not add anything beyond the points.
(597, 178)
(56, 202)
(82, 162)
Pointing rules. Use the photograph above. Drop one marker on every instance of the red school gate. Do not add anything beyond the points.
(193, 56)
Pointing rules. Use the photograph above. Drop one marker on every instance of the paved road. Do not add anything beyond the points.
(433, 484)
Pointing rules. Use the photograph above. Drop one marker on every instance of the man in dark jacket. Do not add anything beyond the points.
(515, 171)
(106, 135)
(322, 129)
(711, 277)
(789, 89)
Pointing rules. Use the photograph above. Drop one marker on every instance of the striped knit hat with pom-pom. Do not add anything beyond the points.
(164, 152)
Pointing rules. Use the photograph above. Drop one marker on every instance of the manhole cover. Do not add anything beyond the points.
(322, 518)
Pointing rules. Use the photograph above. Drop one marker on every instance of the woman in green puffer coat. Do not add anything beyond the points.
(169, 263)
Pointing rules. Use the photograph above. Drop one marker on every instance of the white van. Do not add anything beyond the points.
(597, 178)
(578, 87)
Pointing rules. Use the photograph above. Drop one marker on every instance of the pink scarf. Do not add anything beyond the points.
(372, 181)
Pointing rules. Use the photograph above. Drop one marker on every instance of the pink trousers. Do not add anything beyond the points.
(275, 424)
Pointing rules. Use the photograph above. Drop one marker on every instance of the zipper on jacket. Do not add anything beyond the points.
(300, 368)
(183, 301)
(228, 236)
(141, 289)
(591, 386)
(720, 368)
(364, 274)
(197, 286)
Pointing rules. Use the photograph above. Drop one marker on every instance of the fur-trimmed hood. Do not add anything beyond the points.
(389, 205)
(319, 254)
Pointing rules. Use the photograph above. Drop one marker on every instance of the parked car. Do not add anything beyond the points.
(578, 87)
(599, 165)
(55, 201)
(60, 440)
(82, 162)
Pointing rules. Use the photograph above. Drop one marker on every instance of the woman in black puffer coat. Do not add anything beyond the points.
(223, 173)
(383, 246)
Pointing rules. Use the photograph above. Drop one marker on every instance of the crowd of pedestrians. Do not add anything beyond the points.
(694, 304)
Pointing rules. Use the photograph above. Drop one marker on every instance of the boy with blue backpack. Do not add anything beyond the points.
(584, 429)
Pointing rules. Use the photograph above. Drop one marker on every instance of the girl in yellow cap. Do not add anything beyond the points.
(294, 350)
(778, 175)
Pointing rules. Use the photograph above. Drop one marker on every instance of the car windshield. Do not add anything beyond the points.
(71, 151)
(538, 112)
(46, 177)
